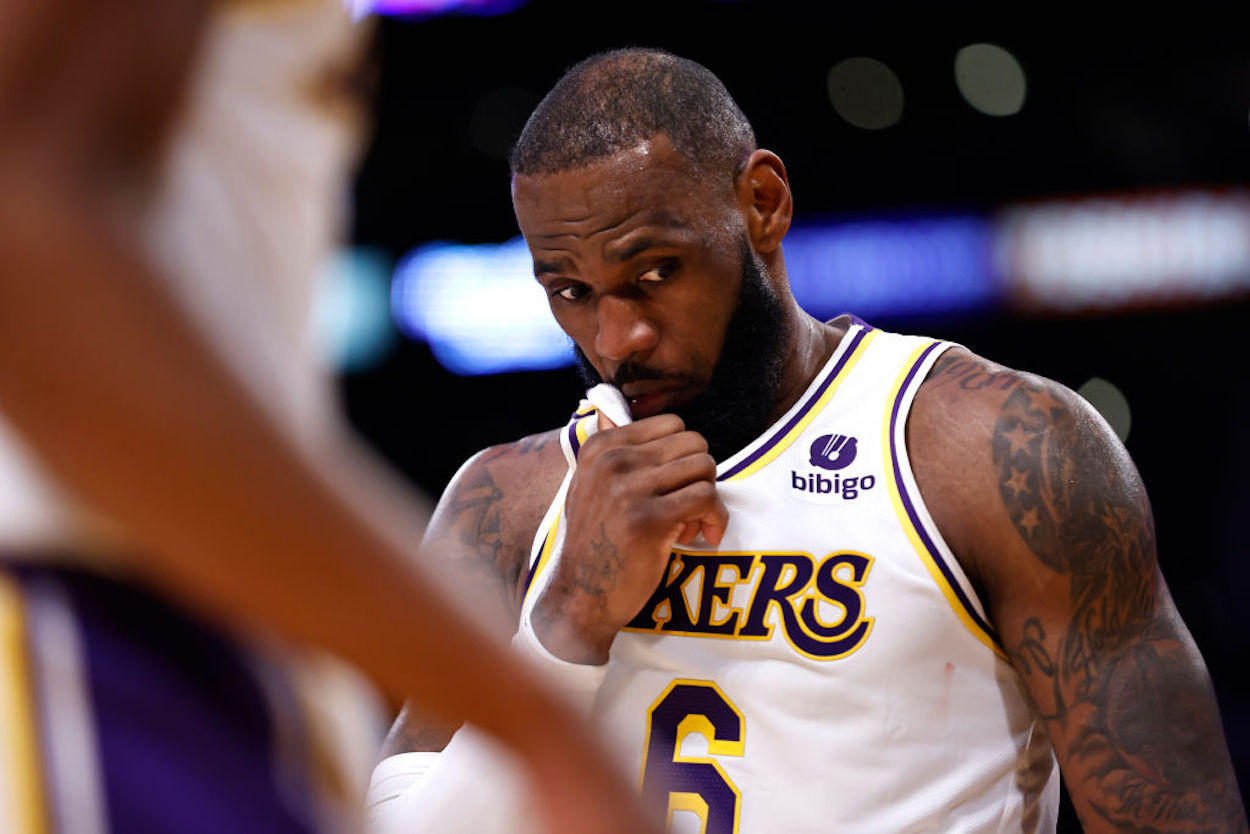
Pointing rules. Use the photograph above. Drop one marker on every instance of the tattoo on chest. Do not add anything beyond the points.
(1123, 693)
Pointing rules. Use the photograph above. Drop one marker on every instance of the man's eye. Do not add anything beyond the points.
(658, 273)
(571, 292)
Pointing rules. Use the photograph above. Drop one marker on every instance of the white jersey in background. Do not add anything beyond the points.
(247, 206)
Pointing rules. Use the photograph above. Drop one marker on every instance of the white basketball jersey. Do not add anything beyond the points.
(828, 667)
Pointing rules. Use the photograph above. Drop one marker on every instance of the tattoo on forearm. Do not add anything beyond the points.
(597, 576)
(1142, 716)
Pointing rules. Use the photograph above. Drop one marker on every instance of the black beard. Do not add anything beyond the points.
(738, 402)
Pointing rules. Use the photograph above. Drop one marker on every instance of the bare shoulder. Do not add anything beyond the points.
(485, 520)
(1009, 461)
(1049, 517)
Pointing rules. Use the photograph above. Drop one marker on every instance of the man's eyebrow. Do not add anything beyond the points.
(635, 248)
(542, 268)
(670, 229)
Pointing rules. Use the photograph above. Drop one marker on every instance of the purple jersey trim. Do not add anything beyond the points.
(573, 442)
(184, 736)
(578, 417)
(857, 320)
(533, 571)
(934, 553)
(815, 396)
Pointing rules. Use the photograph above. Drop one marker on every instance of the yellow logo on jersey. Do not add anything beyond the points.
(820, 603)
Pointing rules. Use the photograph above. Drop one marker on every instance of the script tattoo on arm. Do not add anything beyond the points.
(471, 536)
(474, 508)
(478, 541)
(958, 368)
(533, 443)
(1120, 684)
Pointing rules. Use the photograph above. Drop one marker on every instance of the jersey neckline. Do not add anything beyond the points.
(777, 438)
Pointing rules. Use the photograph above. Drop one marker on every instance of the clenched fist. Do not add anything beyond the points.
(638, 490)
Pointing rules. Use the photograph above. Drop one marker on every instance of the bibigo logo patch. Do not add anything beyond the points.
(831, 453)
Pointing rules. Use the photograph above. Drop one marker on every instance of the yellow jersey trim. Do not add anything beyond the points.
(549, 544)
(928, 558)
(26, 812)
(813, 409)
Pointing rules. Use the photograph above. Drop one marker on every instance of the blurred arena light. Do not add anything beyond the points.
(481, 311)
(893, 266)
(478, 307)
(351, 314)
(1132, 251)
(433, 8)
(1110, 402)
(990, 79)
(866, 93)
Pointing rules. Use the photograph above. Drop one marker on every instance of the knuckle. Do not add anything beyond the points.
(701, 493)
(699, 467)
(591, 448)
(638, 515)
(615, 460)
(670, 423)
(696, 441)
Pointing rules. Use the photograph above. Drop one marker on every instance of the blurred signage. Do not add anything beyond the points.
(481, 310)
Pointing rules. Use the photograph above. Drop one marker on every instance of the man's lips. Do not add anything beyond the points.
(651, 397)
(648, 405)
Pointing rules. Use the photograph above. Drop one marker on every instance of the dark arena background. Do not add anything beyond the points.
(1062, 190)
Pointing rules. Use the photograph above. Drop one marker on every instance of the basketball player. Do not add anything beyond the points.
(164, 424)
(813, 576)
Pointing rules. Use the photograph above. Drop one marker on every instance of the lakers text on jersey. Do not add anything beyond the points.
(828, 667)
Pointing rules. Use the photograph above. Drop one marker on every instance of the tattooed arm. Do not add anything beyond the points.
(1052, 523)
(481, 532)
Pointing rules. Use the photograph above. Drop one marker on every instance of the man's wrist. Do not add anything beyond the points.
(579, 683)
(568, 627)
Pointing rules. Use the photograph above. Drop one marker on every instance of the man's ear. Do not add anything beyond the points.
(765, 199)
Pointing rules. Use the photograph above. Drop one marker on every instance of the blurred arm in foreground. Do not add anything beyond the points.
(128, 405)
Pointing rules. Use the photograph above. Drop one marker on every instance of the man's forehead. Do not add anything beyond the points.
(652, 160)
(651, 177)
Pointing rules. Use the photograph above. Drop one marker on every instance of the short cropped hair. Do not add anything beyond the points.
(613, 101)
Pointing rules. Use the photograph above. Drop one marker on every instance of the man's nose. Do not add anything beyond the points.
(624, 330)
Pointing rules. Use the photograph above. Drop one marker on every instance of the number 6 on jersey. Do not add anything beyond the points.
(693, 783)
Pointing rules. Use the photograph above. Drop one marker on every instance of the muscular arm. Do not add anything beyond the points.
(479, 545)
(128, 405)
(1052, 522)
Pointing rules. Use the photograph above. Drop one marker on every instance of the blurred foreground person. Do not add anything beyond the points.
(173, 482)
(806, 576)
